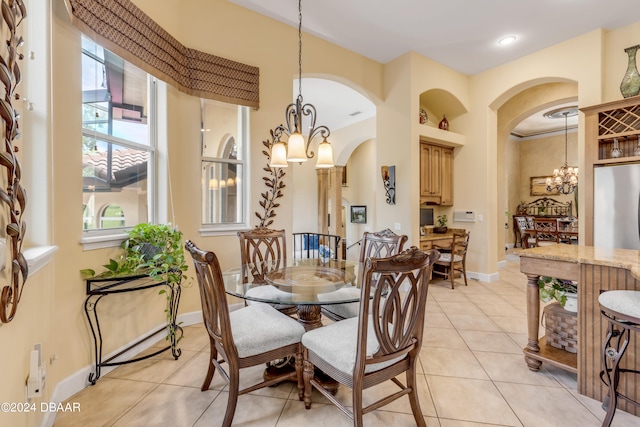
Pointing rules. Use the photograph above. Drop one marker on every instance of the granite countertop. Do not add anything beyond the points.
(628, 259)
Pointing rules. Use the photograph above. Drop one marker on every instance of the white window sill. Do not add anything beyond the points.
(39, 256)
(103, 241)
(229, 230)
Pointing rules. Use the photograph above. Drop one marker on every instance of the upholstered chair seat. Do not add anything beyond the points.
(337, 344)
(259, 328)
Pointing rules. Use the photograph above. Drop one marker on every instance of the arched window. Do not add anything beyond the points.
(112, 216)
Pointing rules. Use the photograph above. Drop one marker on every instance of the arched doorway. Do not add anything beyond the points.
(516, 163)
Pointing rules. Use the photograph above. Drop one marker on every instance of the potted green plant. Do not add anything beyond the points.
(563, 291)
(155, 250)
(442, 224)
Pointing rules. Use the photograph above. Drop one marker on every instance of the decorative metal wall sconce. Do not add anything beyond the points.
(389, 181)
(13, 195)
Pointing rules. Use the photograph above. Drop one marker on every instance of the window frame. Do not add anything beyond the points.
(243, 141)
(113, 237)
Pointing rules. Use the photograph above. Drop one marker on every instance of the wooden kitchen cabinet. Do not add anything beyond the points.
(606, 124)
(436, 174)
(446, 177)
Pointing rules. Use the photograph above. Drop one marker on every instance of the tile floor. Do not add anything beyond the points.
(472, 373)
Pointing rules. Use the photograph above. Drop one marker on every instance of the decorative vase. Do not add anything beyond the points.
(444, 123)
(423, 117)
(630, 85)
(571, 303)
(440, 230)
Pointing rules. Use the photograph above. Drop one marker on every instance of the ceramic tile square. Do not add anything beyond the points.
(497, 342)
(252, 410)
(451, 363)
(474, 400)
(442, 338)
(155, 369)
(474, 322)
(512, 368)
(119, 396)
(459, 308)
(537, 405)
(437, 320)
(169, 405)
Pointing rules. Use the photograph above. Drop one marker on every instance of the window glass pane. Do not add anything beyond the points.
(222, 130)
(113, 176)
(114, 95)
(116, 145)
(223, 194)
(224, 164)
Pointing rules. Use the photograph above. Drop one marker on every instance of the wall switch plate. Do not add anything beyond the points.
(397, 226)
(480, 218)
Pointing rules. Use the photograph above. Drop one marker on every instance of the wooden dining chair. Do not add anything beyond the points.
(546, 231)
(379, 244)
(382, 342)
(262, 251)
(455, 261)
(525, 230)
(253, 335)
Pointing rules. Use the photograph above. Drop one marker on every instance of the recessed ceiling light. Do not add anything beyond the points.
(506, 40)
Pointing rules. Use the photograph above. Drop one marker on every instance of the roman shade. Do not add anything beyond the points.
(126, 30)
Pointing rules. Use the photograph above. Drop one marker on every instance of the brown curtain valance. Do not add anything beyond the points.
(124, 29)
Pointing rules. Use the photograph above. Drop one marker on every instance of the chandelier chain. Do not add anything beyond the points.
(299, 47)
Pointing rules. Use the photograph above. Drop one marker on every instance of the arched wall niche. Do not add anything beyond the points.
(524, 100)
(440, 102)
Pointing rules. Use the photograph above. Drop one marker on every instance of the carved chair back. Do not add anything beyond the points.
(397, 308)
(262, 250)
(381, 244)
(389, 335)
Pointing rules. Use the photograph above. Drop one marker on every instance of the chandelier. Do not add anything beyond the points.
(565, 179)
(296, 149)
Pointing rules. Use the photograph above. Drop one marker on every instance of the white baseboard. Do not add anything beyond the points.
(80, 379)
(483, 277)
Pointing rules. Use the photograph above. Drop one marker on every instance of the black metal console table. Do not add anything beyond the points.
(99, 288)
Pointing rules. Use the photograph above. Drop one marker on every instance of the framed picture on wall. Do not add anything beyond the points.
(359, 214)
(538, 187)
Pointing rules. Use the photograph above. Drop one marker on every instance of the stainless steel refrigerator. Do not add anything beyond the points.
(616, 210)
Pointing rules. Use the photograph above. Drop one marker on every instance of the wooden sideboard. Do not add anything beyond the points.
(596, 270)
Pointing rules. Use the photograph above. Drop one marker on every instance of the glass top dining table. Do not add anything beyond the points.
(304, 283)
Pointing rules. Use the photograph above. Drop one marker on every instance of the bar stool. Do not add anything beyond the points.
(622, 311)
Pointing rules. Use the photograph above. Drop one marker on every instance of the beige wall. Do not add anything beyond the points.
(364, 188)
(51, 311)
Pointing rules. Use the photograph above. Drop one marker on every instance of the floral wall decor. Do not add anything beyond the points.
(273, 181)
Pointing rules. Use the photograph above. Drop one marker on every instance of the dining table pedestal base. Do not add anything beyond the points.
(310, 316)
(323, 379)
